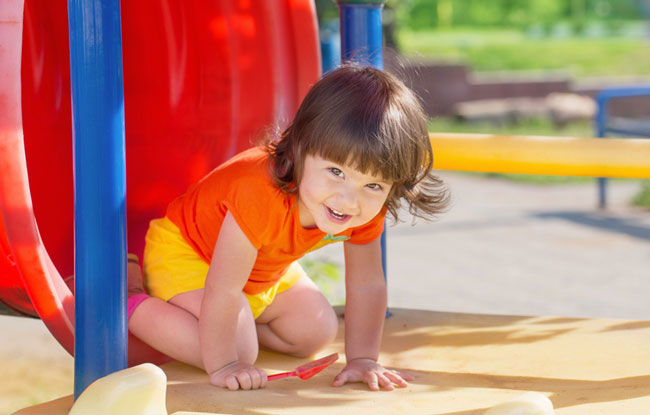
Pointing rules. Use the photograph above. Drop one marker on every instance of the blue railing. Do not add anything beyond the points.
(606, 124)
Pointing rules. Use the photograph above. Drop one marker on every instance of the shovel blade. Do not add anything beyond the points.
(308, 370)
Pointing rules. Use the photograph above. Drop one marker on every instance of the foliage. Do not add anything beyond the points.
(643, 197)
(326, 9)
(326, 275)
(422, 14)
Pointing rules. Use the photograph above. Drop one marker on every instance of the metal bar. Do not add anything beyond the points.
(623, 91)
(603, 124)
(361, 36)
(629, 132)
(567, 156)
(99, 189)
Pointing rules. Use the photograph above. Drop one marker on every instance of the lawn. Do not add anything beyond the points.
(532, 126)
(506, 50)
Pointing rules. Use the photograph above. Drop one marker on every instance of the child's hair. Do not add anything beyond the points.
(368, 119)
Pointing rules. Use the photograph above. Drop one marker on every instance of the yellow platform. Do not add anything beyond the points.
(463, 364)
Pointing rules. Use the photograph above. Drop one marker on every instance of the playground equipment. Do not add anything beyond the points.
(532, 403)
(137, 390)
(567, 156)
(186, 110)
(605, 123)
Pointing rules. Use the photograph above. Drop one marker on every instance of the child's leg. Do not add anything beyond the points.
(299, 321)
(247, 346)
(172, 327)
(174, 330)
(169, 329)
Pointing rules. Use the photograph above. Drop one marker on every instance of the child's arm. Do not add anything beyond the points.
(365, 311)
(232, 260)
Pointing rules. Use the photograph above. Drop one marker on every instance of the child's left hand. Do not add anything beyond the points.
(372, 373)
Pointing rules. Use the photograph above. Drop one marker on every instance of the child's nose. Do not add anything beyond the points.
(349, 200)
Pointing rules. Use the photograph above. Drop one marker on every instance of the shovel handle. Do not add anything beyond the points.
(281, 375)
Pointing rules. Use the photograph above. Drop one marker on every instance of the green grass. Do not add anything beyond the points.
(533, 126)
(539, 179)
(326, 275)
(506, 50)
(642, 198)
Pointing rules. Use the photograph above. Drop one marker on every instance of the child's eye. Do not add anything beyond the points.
(336, 172)
(374, 186)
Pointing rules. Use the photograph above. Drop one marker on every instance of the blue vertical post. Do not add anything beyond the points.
(601, 131)
(604, 125)
(361, 39)
(330, 45)
(99, 189)
(361, 42)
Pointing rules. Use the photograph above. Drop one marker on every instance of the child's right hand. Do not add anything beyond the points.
(237, 375)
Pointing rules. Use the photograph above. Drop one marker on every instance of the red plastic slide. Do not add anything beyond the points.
(202, 81)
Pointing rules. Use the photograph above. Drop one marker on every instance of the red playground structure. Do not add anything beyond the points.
(202, 81)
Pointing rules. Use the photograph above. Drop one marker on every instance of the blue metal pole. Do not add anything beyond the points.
(602, 123)
(361, 36)
(361, 42)
(601, 131)
(330, 45)
(99, 189)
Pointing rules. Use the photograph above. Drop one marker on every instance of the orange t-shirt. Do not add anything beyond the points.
(267, 216)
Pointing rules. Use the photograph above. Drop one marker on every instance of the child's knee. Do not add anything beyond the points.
(330, 326)
(322, 331)
(247, 352)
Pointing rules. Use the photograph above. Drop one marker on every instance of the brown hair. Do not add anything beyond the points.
(368, 119)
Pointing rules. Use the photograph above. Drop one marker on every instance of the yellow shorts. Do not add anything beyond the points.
(172, 267)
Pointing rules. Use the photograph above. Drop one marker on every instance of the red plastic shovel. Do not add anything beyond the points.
(308, 370)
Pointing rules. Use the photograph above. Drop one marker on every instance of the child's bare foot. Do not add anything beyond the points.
(134, 276)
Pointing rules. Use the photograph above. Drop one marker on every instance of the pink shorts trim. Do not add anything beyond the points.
(133, 302)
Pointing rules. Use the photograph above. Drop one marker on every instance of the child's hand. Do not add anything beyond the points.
(238, 375)
(372, 373)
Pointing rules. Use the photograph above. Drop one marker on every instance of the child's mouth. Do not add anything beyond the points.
(336, 215)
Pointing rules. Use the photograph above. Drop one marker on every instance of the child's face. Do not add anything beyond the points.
(336, 197)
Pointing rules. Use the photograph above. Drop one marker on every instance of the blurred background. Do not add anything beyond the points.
(474, 62)
(512, 243)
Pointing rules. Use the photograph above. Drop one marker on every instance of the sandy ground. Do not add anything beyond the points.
(503, 248)
(34, 368)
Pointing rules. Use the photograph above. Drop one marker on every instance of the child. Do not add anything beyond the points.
(221, 265)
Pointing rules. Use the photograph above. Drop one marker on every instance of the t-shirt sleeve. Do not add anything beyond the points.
(257, 209)
(370, 231)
